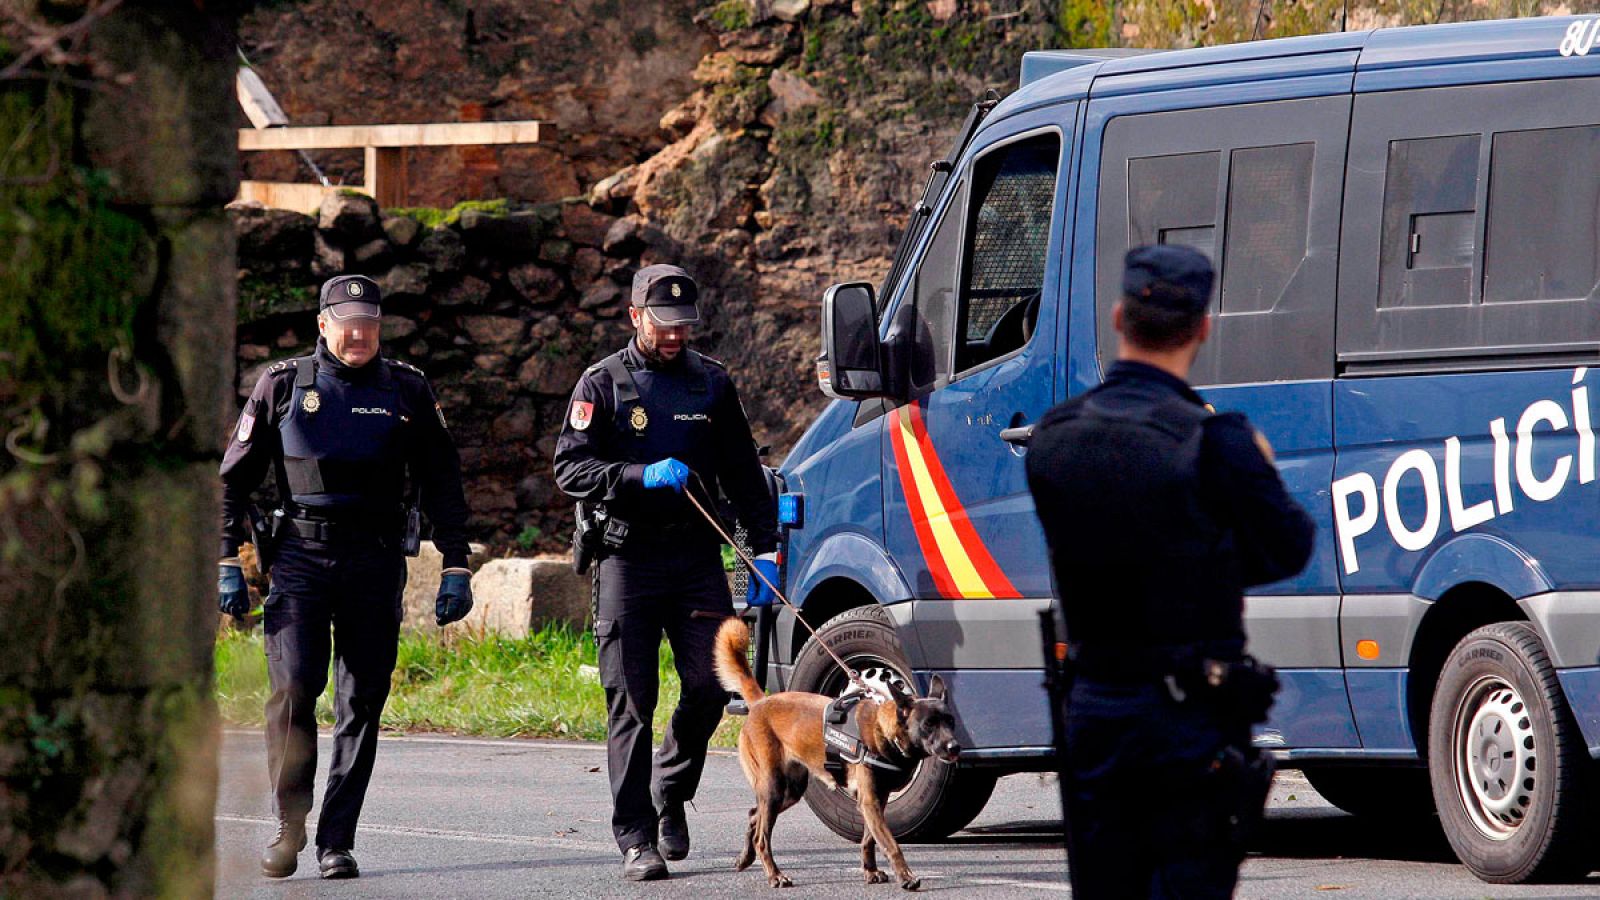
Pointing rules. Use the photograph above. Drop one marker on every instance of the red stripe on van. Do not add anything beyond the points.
(937, 567)
(994, 578)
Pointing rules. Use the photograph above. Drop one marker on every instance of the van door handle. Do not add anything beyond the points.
(1018, 435)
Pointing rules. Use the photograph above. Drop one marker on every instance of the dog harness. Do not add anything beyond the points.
(841, 734)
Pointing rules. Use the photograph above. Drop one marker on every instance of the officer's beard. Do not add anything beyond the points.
(650, 346)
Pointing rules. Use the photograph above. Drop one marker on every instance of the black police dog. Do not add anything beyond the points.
(781, 749)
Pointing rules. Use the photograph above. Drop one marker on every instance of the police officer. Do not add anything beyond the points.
(646, 425)
(1158, 514)
(341, 430)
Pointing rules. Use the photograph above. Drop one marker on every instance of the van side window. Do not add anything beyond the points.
(1013, 194)
(1471, 228)
(1255, 187)
(935, 301)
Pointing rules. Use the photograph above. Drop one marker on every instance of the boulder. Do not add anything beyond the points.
(352, 216)
(601, 294)
(371, 255)
(422, 584)
(401, 231)
(398, 328)
(274, 237)
(625, 237)
(327, 258)
(493, 331)
(469, 291)
(789, 93)
(409, 280)
(552, 374)
(584, 225)
(443, 250)
(507, 236)
(515, 597)
(537, 284)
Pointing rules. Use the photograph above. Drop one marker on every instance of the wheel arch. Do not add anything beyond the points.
(828, 599)
(1456, 613)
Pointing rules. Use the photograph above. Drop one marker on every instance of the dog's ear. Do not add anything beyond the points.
(936, 688)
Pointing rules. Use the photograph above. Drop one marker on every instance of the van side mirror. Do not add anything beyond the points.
(851, 365)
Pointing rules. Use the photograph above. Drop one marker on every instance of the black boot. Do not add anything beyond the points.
(282, 856)
(337, 863)
(643, 863)
(674, 830)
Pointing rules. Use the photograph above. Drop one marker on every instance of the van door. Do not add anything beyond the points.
(958, 516)
(1256, 187)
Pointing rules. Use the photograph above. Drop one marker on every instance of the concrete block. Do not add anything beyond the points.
(422, 584)
(514, 597)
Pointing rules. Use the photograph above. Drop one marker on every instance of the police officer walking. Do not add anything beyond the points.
(341, 430)
(647, 424)
(1158, 514)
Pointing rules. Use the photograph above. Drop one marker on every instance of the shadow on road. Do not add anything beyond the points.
(1322, 834)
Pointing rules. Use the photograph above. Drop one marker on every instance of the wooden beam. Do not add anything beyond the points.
(439, 134)
(387, 179)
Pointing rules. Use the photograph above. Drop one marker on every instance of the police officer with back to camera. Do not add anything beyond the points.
(1158, 513)
(646, 425)
(342, 430)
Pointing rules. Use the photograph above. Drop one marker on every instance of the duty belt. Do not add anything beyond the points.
(328, 529)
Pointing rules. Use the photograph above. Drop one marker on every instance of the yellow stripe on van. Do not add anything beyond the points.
(962, 571)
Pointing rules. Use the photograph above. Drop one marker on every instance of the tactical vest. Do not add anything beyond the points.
(1143, 568)
(343, 440)
(651, 426)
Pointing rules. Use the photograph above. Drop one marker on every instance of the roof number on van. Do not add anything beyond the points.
(1580, 37)
(1418, 535)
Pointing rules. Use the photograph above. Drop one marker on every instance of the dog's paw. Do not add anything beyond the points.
(744, 860)
(780, 880)
(911, 884)
(876, 876)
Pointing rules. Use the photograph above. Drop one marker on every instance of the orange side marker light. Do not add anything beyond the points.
(1367, 649)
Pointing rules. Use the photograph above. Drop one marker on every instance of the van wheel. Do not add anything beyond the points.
(935, 800)
(1380, 792)
(1508, 765)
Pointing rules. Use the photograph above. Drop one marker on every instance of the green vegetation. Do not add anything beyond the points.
(545, 686)
(731, 15)
(434, 217)
(529, 537)
(259, 298)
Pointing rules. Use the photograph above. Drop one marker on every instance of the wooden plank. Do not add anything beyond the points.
(306, 198)
(439, 134)
(386, 175)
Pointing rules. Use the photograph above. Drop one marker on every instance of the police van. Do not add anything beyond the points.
(1406, 228)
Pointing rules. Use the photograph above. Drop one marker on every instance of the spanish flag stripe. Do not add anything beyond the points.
(968, 582)
(977, 553)
(925, 540)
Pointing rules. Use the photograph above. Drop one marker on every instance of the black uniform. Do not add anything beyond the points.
(1158, 513)
(341, 441)
(668, 574)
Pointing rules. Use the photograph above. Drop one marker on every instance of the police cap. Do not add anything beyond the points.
(350, 296)
(1168, 275)
(667, 293)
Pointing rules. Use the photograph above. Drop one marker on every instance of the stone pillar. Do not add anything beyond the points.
(116, 369)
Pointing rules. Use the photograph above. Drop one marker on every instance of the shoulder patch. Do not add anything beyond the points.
(282, 365)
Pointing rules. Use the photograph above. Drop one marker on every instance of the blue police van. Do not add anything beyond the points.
(1406, 227)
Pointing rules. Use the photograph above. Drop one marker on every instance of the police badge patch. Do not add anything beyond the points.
(639, 419)
(247, 424)
(311, 402)
(582, 415)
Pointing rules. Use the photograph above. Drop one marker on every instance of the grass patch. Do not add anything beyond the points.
(434, 217)
(543, 686)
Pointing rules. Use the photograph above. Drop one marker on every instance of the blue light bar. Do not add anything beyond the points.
(792, 510)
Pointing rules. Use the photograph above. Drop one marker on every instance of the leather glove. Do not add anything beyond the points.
(758, 594)
(666, 473)
(233, 597)
(455, 597)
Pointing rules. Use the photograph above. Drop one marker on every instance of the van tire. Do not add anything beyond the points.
(1499, 709)
(1381, 792)
(939, 799)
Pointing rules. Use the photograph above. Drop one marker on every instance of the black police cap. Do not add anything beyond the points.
(349, 296)
(667, 293)
(1168, 275)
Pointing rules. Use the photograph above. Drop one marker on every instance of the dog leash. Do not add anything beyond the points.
(716, 523)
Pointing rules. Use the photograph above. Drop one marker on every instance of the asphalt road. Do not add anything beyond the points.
(454, 817)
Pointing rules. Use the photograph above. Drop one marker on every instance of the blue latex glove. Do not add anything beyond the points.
(758, 594)
(666, 473)
(455, 597)
(233, 597)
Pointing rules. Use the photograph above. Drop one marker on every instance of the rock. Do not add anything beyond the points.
(583, 225)
(715, 69)
(680, 120)
(469, 291)
(943, 10)
(275, 237)
(760, 46)
(443, 250)
(350, 215)
(491, 362)
(508, 237)
(535, 492)
(547, 328)
(327, 259)
(514, 597)
(587, 264)
(397, 328)
(493, 331)
(615, 187)
(789, 10)
(601, 293)
(624, 237)
(409, 280)
(422, 584)
(537, 284)
(517, 426)
(555, 251)
(789, 93)
(253, 352)
(371, 255)
(287, 339)
(548, 373)
(401, 231)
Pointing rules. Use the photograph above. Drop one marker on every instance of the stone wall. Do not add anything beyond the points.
(116, 320)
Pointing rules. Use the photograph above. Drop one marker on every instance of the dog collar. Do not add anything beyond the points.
(841, 734)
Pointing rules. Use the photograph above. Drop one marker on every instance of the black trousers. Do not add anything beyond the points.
(342, 598)
(682, 592)
(1147, 813)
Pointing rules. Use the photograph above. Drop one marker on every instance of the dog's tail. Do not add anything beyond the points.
(733, 669)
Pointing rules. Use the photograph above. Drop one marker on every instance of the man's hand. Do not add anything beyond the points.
(455, 597)
(758, 594)
(666, 473)
(233, 597)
